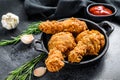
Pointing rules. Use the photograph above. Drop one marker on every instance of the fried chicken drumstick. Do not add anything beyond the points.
(54, 62)
(72, 25)
(88, 43)
(93, 39)
(58, 45)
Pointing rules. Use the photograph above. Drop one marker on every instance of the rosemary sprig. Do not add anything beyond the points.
(13, 40)
(32, 29)
(24, 72)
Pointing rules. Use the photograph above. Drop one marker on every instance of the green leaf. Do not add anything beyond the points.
(10, 77)
(23, 77)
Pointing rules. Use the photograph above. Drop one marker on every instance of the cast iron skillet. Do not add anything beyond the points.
(104, 27)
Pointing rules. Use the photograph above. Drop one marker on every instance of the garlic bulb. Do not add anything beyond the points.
(27, 39)
(40, 71)
(10, 21)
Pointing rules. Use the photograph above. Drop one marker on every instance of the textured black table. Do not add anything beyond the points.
(13, 56)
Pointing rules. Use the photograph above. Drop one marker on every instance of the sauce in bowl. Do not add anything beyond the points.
(100, 10)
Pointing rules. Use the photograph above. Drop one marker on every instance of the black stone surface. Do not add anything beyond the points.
(12, 56)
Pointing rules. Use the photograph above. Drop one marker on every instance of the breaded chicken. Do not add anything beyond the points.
(58, 45)
(81, 35)
(63, 45)
(51, 27)
(54, 62)
(77, 53)
(88, 43)
(62, 41)
(93, 45)
(93, 39)
(72, 25)
(99, 36)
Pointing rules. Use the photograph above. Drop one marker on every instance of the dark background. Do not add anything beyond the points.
(12, 56)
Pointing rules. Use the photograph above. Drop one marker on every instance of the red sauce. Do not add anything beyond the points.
(100, 10)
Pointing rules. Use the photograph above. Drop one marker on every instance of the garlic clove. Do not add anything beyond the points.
(27, 39)
(8, 27)
(40, 71)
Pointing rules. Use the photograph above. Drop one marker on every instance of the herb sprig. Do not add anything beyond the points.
(32, 29)
(25, 71)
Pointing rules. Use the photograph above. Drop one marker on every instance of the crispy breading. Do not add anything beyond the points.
(88, 43)
(81, 35)
(72, 25)
(51, 27)
(77, 53)
(93, 39)
(54, 62)
(99, 36)
(62, 41)
(90, 47)
(58, 44)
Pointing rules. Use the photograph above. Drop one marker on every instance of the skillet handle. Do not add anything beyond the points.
(107, 26)
(38, 46)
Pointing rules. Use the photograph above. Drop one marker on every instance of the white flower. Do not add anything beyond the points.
(10, 21)
(27, 38)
